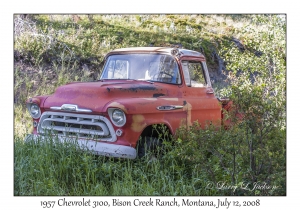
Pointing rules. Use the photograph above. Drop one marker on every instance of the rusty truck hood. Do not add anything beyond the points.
(95, 95)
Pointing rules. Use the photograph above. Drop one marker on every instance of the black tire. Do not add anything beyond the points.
(149, 146)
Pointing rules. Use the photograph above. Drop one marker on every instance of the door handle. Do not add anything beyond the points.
(210, 91)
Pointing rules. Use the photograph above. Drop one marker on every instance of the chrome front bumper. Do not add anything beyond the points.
(98, 148)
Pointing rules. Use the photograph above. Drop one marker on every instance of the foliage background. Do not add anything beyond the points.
(247, 61)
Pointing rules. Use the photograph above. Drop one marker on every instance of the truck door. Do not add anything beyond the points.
(201, 104)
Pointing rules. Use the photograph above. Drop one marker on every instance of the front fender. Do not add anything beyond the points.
(142, 112)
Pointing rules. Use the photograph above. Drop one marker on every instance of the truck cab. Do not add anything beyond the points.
(140, 91)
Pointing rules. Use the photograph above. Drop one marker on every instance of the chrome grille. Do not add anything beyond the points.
(77, 125)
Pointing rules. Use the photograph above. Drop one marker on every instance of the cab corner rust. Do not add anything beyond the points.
(138, 123)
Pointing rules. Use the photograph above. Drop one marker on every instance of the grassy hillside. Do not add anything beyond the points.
(51, 50)
(247, 62)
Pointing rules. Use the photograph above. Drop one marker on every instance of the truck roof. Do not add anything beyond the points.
(167, 50)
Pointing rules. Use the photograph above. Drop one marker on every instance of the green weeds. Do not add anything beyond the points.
(197, 162)
(61, 169)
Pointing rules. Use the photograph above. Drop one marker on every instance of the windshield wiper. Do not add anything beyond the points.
(144, 80)
(151, 81)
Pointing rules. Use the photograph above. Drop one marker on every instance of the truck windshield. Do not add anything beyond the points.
(150, 67)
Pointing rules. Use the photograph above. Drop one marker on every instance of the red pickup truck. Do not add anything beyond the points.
(139, 89)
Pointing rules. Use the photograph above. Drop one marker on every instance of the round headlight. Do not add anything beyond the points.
(35, 111)
(118, 117)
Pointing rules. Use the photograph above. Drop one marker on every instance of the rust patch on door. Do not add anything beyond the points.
(188, 108)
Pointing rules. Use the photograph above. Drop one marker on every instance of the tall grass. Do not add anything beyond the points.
(45, 168)
(196, 162)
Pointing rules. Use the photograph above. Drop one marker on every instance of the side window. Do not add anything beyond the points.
(193, 74)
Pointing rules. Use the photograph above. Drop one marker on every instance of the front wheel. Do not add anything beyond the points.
(149, 146)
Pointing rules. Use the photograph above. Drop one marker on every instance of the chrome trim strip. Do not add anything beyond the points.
(168, 107)
(55, 108)
(70, 108)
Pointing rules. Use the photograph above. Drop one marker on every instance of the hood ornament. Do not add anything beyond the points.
(70, 108)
